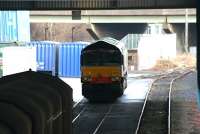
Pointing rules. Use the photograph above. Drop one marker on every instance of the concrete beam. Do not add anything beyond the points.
(139, 12)
(111, 19)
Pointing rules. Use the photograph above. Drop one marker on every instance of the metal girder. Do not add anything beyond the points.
(94, 4)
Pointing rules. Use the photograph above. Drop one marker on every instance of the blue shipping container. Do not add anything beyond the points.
(14, 26)
(45, 54)
(69, 59)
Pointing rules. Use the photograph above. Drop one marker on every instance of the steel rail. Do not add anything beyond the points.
(74, 106)
(106, 114)
(169, 99)
(77, 103)
(78, 115)
(146, 98)
(145, 101)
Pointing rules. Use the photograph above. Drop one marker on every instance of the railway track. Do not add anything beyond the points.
(78, 108)
(102, 118)
(155, 117)
(127, 118)
(89, 117)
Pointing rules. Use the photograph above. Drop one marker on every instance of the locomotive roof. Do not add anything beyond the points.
(108, 40)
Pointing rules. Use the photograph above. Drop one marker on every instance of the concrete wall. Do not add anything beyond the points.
(118, 31)
(179, 29)
(63, 31)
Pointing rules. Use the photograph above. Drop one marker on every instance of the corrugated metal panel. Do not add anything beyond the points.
(45, 54)
(69, 59)
(8, 29)
(131, 41)
(96, 4)
(23, 25)
(14, 26)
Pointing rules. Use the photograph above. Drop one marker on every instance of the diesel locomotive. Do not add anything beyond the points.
(104, 66)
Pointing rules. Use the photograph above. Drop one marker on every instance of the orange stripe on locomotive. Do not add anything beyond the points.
(102, 74)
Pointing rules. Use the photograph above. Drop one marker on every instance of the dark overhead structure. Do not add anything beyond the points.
(198, 42)
(92, 33)
(76, 15)
(94, 4)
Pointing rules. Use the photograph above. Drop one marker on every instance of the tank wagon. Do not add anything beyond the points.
(104, 66)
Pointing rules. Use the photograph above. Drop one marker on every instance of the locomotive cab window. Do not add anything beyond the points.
(102, 57)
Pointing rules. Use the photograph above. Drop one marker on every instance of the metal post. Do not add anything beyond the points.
(73, 28)
(186, 30)
(57, 60)
(198, 49)
(45, 33)
(56, 63)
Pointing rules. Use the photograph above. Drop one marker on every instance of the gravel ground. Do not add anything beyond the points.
(185, 113)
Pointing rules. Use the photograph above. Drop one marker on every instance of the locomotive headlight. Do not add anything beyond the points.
(86, 78)
(115, 78)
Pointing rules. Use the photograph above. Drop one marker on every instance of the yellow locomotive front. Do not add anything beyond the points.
(103, 73)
